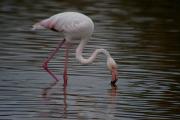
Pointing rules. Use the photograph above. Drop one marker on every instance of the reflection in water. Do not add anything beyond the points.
(143, 37)
(48, 99)
(47, 89)
(113, 90)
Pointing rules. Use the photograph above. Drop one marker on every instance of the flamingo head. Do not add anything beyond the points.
(112, 66)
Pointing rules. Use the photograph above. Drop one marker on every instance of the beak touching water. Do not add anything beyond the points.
(114, 76)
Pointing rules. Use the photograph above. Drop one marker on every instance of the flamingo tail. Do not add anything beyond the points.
(38, 26)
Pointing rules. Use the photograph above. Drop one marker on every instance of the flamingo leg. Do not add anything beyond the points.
(65, 65)
(45, 63)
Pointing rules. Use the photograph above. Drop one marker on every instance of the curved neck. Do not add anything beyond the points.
(83, 60)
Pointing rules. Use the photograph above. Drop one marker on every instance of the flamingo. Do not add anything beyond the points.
(73, 26)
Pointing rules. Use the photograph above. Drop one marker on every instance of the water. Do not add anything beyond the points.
(142, 36)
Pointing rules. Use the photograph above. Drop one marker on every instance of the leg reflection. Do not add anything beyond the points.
(113, 91)
(47, 89)
(65, 102)
(49, 100)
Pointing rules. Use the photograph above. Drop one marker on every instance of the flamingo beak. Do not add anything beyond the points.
(114, 76)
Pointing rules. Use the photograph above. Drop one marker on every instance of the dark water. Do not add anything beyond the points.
(143, 36)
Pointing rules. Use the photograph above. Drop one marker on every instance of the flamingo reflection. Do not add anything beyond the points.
(47, 98)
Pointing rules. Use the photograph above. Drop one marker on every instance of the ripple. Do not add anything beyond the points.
(141, 36)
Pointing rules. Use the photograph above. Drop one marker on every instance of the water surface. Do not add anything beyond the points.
(142, 36)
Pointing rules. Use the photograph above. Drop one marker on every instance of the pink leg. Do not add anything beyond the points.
(45, 64)
(65, 65)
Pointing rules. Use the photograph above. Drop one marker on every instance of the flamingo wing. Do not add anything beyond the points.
(68, 22)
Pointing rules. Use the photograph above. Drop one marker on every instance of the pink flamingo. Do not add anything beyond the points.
(74, 26)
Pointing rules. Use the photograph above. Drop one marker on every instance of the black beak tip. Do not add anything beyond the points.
(113, 83)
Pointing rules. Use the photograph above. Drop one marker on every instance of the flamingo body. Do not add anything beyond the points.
(75, 25)
(72, 24)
